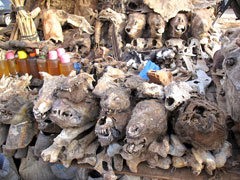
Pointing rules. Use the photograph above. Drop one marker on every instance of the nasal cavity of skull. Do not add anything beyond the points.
(128, 29)
(199, 110)
(66, 114)
(170, 101)
(134, 42)
(105, 165)
(102, 121)
(154, 42)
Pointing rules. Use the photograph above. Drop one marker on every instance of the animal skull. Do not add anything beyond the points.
(176, 93)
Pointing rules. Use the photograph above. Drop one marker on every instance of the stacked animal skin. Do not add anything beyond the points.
(108, 115)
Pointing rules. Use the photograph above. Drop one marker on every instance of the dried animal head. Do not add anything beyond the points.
(68, 115)
(178, 25)
(46, 96)
(135, 25)
(160, 77)
(110, 79)
(146, 90)
(176, 93)
(157, 25)
(138, 135)
(51, 26)
(76, 88)
(201, 22)
(115, 100)
(111, 128)
(231, 84)
(201, 124)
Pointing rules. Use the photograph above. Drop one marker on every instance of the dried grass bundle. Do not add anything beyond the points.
(25, 21)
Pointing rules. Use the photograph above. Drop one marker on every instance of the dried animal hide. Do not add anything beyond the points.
(137, 6)
(66, 114)
(161, 148)
(14, 86)
(176, 93)
(110, 79)
(201, 23)
(138, 135)
(157, 25)
(51, 26)
(201, 124)
(77, 41)
(86, 9)
(112, 127)
(178, 25)
(53, 19)
(169, 9)
(160, 77)
(20, 135)
(135, 25)
(222, 154)
(76, 88)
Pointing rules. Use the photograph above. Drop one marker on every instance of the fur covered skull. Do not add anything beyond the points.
(157, 25)
(178, 25)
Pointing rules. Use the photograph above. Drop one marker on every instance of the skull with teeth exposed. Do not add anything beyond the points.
(148, 122)
(46, 97)
(67, 114)
(178, 25)
(157, 25)
(111, 128)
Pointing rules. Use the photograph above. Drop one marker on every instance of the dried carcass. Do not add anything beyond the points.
(139, 136)
(201, 124)
(157, 25)
(178, 25)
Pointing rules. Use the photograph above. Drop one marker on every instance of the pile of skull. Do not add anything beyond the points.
(113, 115)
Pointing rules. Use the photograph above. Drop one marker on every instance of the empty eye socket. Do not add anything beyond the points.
(230, 62)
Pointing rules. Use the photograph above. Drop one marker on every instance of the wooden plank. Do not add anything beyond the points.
(175, 174)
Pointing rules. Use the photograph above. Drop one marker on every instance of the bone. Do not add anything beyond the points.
(176, 93)
(222, 154)
(176, 147)
(201, 83)
(163, 163)
(118, 162)
(161, 148)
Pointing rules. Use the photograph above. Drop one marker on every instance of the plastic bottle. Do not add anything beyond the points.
(60, 52)
(32, 62)
(66, 66)
(53, 63)
(42, 65)
(4, 68)
(23, 63)
(11, 62)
